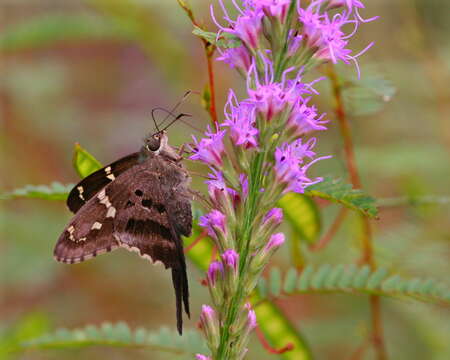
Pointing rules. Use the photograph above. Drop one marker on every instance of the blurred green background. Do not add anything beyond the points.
(91, 71)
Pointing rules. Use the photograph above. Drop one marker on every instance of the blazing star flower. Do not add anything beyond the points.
(288, 169)
(251, 317)
(274, 216)
(202, 357)
(247, 26)
(325, 35)
(274, 8)
(210, 149)
(240, 118)
(217, 188)
(230, 259)
(244, 185)
(215, 271)
(352, 5)
(304, 119)
(213, 222)
(236, 57)
(275, 241)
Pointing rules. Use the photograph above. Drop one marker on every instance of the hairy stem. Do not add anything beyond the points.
(367, 253)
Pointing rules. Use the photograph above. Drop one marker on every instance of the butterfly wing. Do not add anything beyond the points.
(88, 234)
(96, 181)
(153, 211)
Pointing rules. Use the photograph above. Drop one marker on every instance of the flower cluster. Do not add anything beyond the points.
(260, 151)
(314, 34)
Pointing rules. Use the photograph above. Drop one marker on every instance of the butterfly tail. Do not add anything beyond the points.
(180, 286)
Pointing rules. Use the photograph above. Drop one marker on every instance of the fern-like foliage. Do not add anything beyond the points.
(119, 335)
(338, 191)
(352, 279)
(54, 191)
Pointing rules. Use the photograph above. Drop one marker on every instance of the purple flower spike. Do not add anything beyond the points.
(213, 222)
(202, 357)
(215, 271)
(240, 118)
(274, 216)
(230, 258)
(210, 149)
(275, 241)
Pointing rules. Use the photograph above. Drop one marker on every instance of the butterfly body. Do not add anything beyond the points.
(141, 203)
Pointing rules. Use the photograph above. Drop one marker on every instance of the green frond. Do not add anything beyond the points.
(337, 191)
(353, 279)
(54, 191)
(119, 335)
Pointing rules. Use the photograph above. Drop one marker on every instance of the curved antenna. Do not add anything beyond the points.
(153, 117)
(184, 97)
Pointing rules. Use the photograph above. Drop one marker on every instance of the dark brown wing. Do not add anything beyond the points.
(153, 210)
(88, 234)
(93, 183)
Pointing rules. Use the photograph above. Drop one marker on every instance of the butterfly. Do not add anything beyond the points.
(141, 203)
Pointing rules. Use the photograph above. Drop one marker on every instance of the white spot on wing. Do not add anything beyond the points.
(111, 177)
(108, 169)
(111, 211)
(96, 226)
(80, 192)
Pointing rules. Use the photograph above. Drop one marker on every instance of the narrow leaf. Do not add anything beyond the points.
(302, 214)
(279, 330)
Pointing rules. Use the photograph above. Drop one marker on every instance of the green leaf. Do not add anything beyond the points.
(119, 335)
(353, 279)
(302, 214)
(83, 162)
(54, 191)
(338, 191)
(279, 330)
(57, 28)
(225, 40)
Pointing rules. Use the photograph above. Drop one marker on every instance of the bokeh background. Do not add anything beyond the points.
(91, 71)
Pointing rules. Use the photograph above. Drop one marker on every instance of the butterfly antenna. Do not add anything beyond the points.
(170, 112)
(153, 117)
(176, 119)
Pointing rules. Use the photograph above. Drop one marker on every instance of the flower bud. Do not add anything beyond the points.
(230, 261)
(210, 325)
(215, 224)
(215, 281)
(202, 357)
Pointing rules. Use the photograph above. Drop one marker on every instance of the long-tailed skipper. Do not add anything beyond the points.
(141, 203)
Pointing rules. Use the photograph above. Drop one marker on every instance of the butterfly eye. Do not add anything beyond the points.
(153, 143)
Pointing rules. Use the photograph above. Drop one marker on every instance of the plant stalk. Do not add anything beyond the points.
(377, 338)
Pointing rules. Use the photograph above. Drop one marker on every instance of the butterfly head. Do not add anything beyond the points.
(158, 144)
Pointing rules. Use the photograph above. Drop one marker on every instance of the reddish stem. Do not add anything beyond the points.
(367, 255)
(331, 231)
(195, 242)
(209, 52)
(269, 348)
